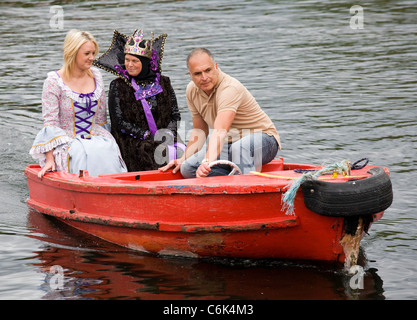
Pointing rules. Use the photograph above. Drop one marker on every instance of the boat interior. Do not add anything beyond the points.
(275, 166)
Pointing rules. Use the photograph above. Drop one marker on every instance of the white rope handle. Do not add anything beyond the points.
(229, 163)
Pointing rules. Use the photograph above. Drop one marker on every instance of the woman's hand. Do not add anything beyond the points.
(49, 165)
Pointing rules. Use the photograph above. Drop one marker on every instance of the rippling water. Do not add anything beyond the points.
(333, 92)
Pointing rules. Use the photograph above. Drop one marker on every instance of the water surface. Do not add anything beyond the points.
(333, 93)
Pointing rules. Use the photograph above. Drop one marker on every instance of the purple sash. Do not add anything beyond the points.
(150, 90)
(172, 150)
(141, 93)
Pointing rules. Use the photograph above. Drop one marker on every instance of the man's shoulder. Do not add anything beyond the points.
(229, 81)
(191, 85)
(191, 88)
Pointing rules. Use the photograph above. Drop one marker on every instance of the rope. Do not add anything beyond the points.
(289, 196)
(273, 176)
(344, 167)
(354, 166)
(304, 170)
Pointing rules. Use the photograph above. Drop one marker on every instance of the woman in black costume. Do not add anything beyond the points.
(142, 103)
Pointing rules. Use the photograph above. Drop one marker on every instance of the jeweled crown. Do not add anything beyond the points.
(138, 46)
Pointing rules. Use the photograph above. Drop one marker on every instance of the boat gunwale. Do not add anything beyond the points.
(109, 184)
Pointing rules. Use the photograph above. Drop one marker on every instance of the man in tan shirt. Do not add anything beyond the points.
(241, 131)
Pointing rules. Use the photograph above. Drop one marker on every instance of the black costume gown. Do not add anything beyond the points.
(129, 124)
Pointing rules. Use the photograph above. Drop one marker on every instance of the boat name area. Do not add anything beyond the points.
(212, 309)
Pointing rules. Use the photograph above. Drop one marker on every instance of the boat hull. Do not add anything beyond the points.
(236, 216)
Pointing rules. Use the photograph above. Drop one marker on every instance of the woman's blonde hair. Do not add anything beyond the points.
(73, 41)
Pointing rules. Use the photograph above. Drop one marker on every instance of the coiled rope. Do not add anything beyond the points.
(354, 166)
(342, 167)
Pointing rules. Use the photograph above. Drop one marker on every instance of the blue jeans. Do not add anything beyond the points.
(248, 153)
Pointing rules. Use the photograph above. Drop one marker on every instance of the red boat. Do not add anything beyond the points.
(239, 216)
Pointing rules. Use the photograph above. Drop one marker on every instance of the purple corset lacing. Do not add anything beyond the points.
(84, 118)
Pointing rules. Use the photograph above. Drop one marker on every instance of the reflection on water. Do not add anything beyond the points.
(333, 92)
(94, 269)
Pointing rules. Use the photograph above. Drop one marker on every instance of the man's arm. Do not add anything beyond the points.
(198, 137)
(217, 139)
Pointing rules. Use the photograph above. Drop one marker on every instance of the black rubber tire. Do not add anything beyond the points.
(351, 198)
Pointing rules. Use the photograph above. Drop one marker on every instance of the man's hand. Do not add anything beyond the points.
(176, 163)
(203, 170)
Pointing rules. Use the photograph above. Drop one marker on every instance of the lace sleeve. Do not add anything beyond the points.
(50, 102)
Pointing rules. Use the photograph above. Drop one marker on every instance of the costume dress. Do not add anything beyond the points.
(143, 109)
(74, 127)
(141, 149)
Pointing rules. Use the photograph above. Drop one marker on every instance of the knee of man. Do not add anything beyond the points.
(187, 171)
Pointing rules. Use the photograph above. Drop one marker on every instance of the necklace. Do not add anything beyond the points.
(144, 91)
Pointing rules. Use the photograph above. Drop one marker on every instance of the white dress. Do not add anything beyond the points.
(75, 127)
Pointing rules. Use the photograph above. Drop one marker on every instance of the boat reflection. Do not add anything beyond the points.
(95, 269)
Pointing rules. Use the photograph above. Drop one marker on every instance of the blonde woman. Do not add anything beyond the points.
(74, 114)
